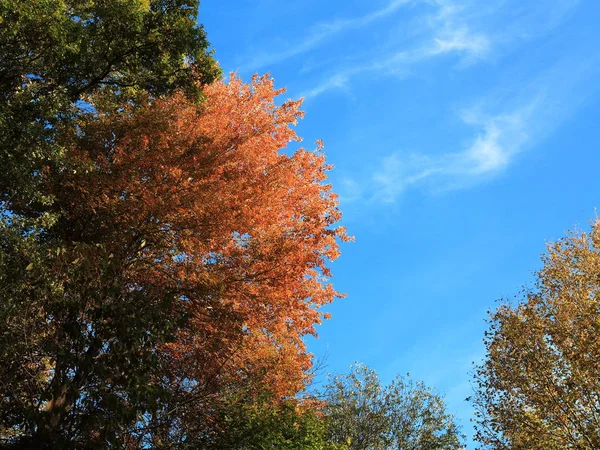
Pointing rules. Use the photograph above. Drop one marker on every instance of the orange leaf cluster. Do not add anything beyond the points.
(202, 203)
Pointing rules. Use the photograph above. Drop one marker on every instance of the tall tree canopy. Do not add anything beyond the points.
(188, 258)
(55, 54)
(362, 414)
(539, 386)
(61, 60)
(161, 254)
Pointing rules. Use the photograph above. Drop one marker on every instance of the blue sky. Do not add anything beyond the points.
(464, 135)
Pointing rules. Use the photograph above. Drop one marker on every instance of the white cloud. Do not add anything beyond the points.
(492, 149)
(337, 81)
(507, 122)
(501, 137)
(446, 33)
(350, 190)
(469, 31)
(320, 33)
(540, 105)
(460, 40)
(452, 33)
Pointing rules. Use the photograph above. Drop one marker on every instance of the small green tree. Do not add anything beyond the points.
(406, 415)
(267, 423)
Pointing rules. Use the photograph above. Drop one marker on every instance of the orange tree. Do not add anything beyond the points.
(187, 259)
(539, 386)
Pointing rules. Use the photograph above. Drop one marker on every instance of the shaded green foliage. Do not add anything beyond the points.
(78, 345)
(77, 340)
(266, 423)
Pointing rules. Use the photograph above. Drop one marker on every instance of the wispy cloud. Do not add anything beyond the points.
(499, 139)
(466, 31)
(534, 19)
(321, 33)
(513, 117)
(446, 33)
(543, 104)
(451, 32)
(337, 81)
(459, 40)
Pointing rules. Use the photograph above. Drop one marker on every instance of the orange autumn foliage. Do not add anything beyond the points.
(200, 202)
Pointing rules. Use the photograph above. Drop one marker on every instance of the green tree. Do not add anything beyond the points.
(539, 385)
(404, 415)
(263, 422)
(59, 61)
(67, 311)
(56, 54)
(78, 347)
